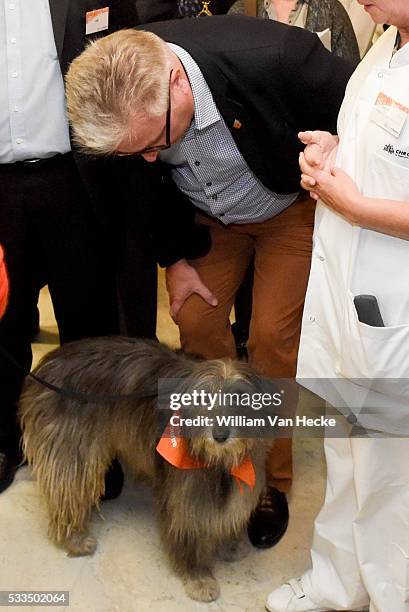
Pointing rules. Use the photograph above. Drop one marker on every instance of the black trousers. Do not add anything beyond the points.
(49, 233)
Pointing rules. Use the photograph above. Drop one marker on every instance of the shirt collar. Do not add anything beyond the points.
(400, 57)
(206, 112)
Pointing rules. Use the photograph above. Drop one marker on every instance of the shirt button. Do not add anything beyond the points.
(380, 75)
(197, 163)
(13, 40)
(12, 6)
(209, 184)
(214, 197)
(311, 318)
(14, 74)
(16, 109)
(19, 140)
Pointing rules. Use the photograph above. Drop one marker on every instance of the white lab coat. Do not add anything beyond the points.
(347, 362)
(360, 552)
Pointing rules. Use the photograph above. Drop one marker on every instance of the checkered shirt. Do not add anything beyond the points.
(208, 167)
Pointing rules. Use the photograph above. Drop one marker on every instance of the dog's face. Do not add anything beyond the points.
(213, 448)
(221, 435)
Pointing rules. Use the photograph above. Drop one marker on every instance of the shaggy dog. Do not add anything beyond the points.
(109, 408)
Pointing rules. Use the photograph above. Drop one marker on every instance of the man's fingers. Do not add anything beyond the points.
(175, 306)
(201, 290)
(177, 302)
(174, 309)
(206, 294)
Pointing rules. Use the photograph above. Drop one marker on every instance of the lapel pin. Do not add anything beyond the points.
(237, 124)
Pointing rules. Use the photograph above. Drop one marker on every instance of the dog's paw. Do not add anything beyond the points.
(234, 551)
(205, 588)
(81, 545)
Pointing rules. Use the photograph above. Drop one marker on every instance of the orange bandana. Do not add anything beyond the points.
(174, 450)
(4, 284)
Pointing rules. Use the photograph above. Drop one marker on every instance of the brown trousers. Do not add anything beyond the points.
(282, 247)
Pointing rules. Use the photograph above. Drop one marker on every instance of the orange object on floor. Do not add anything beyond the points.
(4, 284)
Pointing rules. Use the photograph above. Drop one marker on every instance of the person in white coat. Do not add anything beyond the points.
(359, 364)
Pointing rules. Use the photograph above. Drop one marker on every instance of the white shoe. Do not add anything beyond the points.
(290, 597)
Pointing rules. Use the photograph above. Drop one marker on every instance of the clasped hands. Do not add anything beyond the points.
(320, 177)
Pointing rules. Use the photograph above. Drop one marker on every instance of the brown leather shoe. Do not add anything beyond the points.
(269, 521)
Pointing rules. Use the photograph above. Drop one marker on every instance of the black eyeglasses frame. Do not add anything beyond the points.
(167, 144)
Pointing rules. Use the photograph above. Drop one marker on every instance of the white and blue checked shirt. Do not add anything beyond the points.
(208, 167)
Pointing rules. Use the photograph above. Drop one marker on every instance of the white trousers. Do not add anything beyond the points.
(360, 550)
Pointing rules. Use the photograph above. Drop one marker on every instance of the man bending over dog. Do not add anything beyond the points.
(217, 105)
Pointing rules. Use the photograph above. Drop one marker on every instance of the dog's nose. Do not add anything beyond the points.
(220, 434)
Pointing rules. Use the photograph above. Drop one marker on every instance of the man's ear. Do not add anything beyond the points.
(179, 80)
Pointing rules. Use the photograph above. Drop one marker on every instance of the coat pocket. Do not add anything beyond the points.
(387, 178)
(375, 357)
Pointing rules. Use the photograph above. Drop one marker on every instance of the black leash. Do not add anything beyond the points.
(70, 393)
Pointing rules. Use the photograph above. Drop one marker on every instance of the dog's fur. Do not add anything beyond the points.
(70, 445)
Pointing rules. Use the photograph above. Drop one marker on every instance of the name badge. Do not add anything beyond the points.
(96, 21)
(389, 114)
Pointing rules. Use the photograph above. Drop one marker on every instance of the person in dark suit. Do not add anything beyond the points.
(218, 107)
(55, 205)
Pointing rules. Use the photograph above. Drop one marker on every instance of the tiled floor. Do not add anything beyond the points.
(129, 573)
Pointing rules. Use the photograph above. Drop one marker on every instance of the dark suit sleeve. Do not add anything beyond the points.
(170, 218)
(129, 192)
(313, 79)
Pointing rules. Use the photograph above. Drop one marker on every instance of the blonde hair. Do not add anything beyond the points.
(116, 78)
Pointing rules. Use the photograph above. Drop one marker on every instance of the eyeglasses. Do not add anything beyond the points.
(167, 144)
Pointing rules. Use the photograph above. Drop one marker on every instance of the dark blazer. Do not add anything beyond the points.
(276, 80)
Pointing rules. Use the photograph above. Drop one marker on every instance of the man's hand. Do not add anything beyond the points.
(182, 281)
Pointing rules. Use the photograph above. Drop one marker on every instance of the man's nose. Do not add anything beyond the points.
(150, 157)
